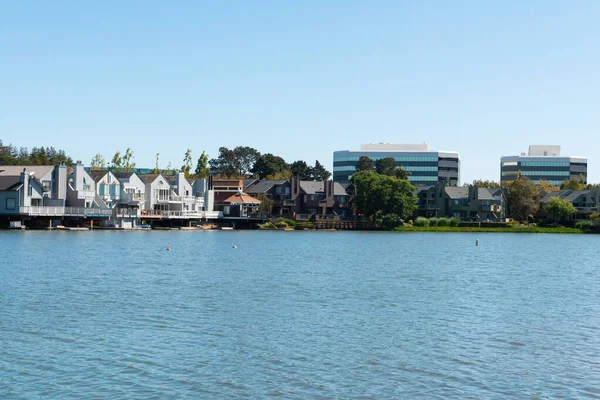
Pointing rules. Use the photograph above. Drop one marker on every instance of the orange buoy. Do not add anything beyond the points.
(168, 249)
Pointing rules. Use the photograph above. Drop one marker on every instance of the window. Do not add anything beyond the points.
(314, 197)
(11, 204)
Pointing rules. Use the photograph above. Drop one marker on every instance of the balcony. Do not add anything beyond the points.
(289, 203)
(46, 211)
(187, 214)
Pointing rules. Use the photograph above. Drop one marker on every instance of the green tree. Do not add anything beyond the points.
(246, 157)
(523, 199)
(117, 161)
(202, 169)
(573, 184)
(187, 163)
(98, 162)
(365, 164)
(386, 166)
(558, 207)
(400, 173)
(266, 205)
(269, 164)
(156, 170)
(128, 165)
(319, 172)
(486, 184)
(301, 169)
(378, 195)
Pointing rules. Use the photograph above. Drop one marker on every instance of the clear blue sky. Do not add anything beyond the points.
(302, 79)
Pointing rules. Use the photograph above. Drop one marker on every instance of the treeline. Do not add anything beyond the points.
(237, 163)
(11, 155)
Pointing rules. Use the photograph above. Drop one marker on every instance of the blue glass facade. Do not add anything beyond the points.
(423, 167)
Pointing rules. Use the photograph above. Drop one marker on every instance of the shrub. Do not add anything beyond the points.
(584, 225)
(410, 222)
(453, 221)
(392, 220)
(433, 221)
(286, 221)
(420, 221)
(443, 222)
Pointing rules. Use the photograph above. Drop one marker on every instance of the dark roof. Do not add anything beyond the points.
(172, 179)
(455, 192)
(264, 186)
(575, 194)
(249, 181)
(149, 178)
(121, 175)
(310, 187)
(557, 193)
(97, 174)
(10, 182)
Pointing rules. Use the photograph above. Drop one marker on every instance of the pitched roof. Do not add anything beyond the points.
(485, 194)
(123, 175)
(249, 181)
(241, 197)
(264, 186)
(455, 192)
(10, 182)
(575, 194)
(149, 178)
(311, 187)
(557, 193)
(98, 174)
(15, 170)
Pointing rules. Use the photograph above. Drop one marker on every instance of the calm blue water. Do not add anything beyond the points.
(316, 315)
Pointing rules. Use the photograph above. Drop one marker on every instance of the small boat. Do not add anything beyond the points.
(226, 228)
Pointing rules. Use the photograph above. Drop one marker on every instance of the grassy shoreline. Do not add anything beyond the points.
(516, 229)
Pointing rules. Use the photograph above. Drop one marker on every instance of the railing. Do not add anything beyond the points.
(48, 211)
(177, 199)
(289, 202)
(85, 194)
(182, 214)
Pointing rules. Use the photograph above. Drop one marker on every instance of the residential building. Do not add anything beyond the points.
(276, 190)
(585, 202)
(240, 205)
(467, 203)
(543, 163)
(320, 200)
(424, 166)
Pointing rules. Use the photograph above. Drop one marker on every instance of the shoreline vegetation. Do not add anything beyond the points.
(287, 224)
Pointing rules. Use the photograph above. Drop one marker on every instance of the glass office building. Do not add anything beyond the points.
(423, 165)
(543, 163)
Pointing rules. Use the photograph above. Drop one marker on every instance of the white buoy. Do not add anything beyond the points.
(477, 242)
(235, 247)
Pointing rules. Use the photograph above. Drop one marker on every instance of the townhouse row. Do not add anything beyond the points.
(54, 194)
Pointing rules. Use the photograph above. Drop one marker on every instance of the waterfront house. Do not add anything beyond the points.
(279, 191)
(585, 202)
(18, 193)
(131, 201)
(471, 203)
(318, 201)
(240, 205)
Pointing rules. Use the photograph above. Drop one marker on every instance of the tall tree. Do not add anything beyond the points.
(480, 183)
(156, 170)
(98, 162)
(268, 164)
(523, 199)
(128, 165)
(245, 157)
(378, 195)
(573, 184)
(301, 169)
(386, 166)
(558, 207)
(117, 161)
(319, 172)
(365, 164)
(400, 173)
(225, 164)
(202, 169)
(187, 163)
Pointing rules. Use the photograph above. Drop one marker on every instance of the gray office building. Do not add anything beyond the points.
(543, 163)
(423, 165)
